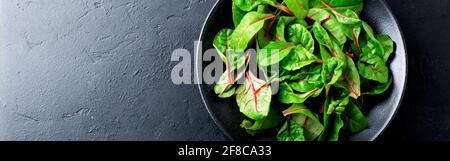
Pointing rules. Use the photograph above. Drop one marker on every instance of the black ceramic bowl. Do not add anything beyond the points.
(380, 110)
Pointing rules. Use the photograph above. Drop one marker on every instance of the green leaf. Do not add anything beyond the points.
(274, 52)
(222, 42)
(356, 119)
(288, 96)
(271, 121)
(225, 82)
(333, 110)
(298, 59)
(309, 121)
(307, 85)
(254, 97)
(351, 79)
(373, 68)
(379, 88)
(238, 14)
(227, 94)
(322, 36)
(352, 31)
(298, 7)
(299, 35)
(308, 82)
(337, 126)
(338, 5)
(263, 39)
(291, 132)
(348, 17)
(247, 29)
(337, 106)
(332, 71)
(323, 39)
(224, 86)
(326, 119)
(388, 46)
(283, 21)
(368, 30)
(329, 22)
(247, 5)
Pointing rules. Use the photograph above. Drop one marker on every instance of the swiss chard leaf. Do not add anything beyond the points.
(234, 64)
(379, 88)
(309, 121)
(322, 36)
(351, 80)
(329, 22)
(325, 118)
(248, 5)
(373, 68)
(388, 46)
(225, 82)
(335, 110)
(347, 17)
(339, 5)
(332, 71)
(238, 14)
(283, 21)
(254, 97)
(288, 96)
(299, 58)
(356, 119)
(338, 124)
(298, 7)
(271, 121)
(222, 43)
(324, 39)
(224, 86)
(291, 131)
(274, 52)
(299, 35)
(308, 82)
(251, 23)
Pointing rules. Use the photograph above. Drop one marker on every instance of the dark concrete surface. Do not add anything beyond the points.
(100, 70)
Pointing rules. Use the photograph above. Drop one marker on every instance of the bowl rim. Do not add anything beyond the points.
(221, 127)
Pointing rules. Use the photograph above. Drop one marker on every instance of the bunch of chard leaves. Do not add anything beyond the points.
(328, 60)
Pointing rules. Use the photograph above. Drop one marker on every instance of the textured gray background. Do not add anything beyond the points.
(100, 70)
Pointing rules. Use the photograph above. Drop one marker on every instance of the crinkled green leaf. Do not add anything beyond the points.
(238, 14)
(351, 80)
(251, 23)
(356, 119)
(338, 124)
(287, 95)
(283, 21)
(373, 68)
(298, 7)
(299, 35)
(388, 46)
(254, 97)
(348, 17)
(379, 88)
(339, 5)
(332, 71)
(249, 5)
(330, 23)
(291, 131)
(298, 58)
(222, 42)
(274, 52)
(271, 121)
